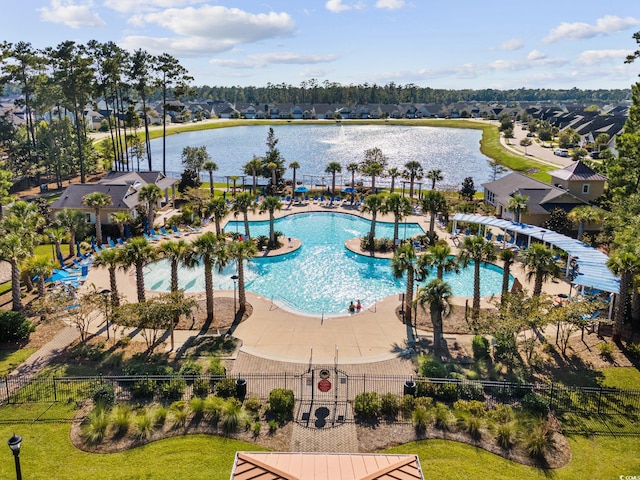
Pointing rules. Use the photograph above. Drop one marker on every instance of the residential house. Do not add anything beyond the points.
(580, 180)
(122, 187)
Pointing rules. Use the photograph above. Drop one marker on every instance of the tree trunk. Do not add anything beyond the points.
(408, 297)
(436, 320)
(475, 314)
(242, 296)
(115, 298)
(16, 298)
(140, 282)
(246, 226)
(208, 286)
(98, 227)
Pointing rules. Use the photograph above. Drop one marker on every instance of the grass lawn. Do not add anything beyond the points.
(47, 453)
(593, 458)
(10, 359)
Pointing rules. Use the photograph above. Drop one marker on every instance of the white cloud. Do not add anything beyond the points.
(71, 14)
(336, 6)
(230, 25)
(128, 6)
(390, 4)
(593, 57)
(536, 55)
(180, 46)
(263, 60)
(579, 31)
(513, 44)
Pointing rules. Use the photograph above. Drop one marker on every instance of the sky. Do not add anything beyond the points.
(464, 44)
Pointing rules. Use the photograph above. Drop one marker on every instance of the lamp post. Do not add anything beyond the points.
(235, 281)
(14, 444)
(542, 232)
(105, 295)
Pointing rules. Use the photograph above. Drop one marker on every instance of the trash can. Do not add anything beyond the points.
(241, 388)
(410, 387)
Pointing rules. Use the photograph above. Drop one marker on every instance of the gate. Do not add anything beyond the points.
(324, 397)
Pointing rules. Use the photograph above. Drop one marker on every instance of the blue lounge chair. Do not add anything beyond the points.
(112, 244)
(85, 258)
(119, 241)
(164, 232)
(499, 239)
(150, 238)
(176, 230)
(489, 236)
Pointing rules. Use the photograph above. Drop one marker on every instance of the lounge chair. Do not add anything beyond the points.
(164, 232)
(176, 230)
(119, 241)
(85, 258)
(499, 239)
(150, 238)
(112, 244)
(489, 236)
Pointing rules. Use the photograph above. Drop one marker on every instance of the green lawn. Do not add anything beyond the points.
(10, 359)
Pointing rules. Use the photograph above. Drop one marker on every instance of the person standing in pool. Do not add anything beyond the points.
(358, 306)
(352, 307)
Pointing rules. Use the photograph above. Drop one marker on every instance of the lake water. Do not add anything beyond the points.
(455, 151)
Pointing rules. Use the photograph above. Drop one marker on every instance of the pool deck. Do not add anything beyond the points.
(373, 335)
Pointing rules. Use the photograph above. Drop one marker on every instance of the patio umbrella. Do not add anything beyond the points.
(349, 190)
(56, 276)
(301, 189)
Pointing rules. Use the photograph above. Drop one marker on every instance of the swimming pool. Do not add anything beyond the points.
(321, 277)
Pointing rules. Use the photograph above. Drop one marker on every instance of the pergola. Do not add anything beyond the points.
(591, 272)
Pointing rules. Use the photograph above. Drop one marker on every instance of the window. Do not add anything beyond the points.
(585, 188)
(491, 197)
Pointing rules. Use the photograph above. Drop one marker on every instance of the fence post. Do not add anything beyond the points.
(55, 390)
(599, 399)
(6, 384)
(551, 397)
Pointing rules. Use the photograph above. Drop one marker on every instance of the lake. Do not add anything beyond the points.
(455, 151)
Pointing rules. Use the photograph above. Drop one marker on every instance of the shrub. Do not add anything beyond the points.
(104, 395)
(121, 418)
(539, 440)
(281, 403)
(173, 389)
(216, 367)
(367, 405)
(231, 416)
(534, 403)
(502, 414)
(201, 388)
(196, 405)
(257, 426)
(506, 435)
(443, 418)
(253, 404)
(96, 429)
(273, 426)
(421, 418)
(213, 409)
(432, 368)
(143, 388)
(446, 392)
(226, 388)
(14, 326)
(389, 405)
(472, 425)
(407, 405)
(179, 413)
(634, 350)
(159, 416)
(480, 347)
(473, 407)
(190, 368)
(607, 350)
(471, 391)
(145, 425)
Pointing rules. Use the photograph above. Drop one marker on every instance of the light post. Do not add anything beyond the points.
(235, 311)
(542, 232)
(14, 444)
(105, 295)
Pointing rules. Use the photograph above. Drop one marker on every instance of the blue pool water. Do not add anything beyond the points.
(322, 276)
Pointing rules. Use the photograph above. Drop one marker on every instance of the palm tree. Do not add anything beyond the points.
(404, 262)
(372, 204)
(253, 167)
(625, 264)
(177, 252)
(584, 214)
(111, 259)
(433, 202)
(211, 251)
(413, 171)
(271, 204)
(57, 236)
(333, 168)
(244, 203)
(121, 220)
(14, 250)
(508, 258)
(75, 224)
(150, 194)
(373, 170)
(540, 265)
(400, 207)
(241, 252)
(439, 256)
(40, 267)
(434, 175)
(294, 166)
(210, 167)
(393, 173)
(97, 201)
(436, 293)
(273, 167)
(217, 207)
(353, 168)
(137, 252)
(518, 204)
(477, 250)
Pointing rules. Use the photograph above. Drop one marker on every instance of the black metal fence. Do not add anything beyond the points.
(559, 398)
